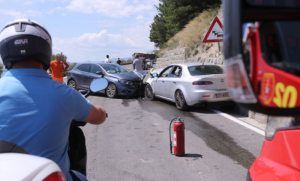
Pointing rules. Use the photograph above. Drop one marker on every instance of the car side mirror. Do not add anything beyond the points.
(154, 75)
(100, 73)
(151, 75)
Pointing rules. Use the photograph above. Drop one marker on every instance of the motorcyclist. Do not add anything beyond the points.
(36, 111)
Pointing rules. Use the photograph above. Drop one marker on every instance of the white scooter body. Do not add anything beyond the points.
(25, 167)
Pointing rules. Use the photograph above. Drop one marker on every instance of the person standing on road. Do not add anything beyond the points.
(36, 112)
(57, 68)
(119, 61)
(138, 64)
(107, 60)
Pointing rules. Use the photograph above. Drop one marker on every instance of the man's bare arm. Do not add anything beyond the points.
(97, 115)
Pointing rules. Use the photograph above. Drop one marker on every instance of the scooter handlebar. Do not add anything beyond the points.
(78, 123)
(87, 94)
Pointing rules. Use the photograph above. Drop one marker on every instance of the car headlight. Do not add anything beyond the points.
(127, 82)
(275, 124)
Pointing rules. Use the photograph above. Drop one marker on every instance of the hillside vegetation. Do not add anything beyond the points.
(191, 36)
(173, 15)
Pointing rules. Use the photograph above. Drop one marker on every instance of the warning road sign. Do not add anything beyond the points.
(215, 32)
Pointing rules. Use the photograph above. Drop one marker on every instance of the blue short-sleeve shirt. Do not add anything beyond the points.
(36, 113)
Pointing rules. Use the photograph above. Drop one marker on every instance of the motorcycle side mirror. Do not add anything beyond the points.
(98, 84)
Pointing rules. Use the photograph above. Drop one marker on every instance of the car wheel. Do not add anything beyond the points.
(149, 95)
(111, 91)
(180, 101)
(72, 83)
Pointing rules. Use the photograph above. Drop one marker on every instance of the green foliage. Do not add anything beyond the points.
(195, 52)
(191, 36)
(188, 51)
(207, 47)
(158, 31)
(172, 44)
(174, 15)
(129, 60)
(63, 57)
(72, 66)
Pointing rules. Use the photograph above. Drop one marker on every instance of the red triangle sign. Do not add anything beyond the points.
(215, 32)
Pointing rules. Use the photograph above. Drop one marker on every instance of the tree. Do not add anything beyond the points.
(129, 60)
(63, 57)
(72, 66)
(158, 30)
(174, 15)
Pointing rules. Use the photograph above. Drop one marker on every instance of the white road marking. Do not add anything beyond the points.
(240, 122)
(146, 161)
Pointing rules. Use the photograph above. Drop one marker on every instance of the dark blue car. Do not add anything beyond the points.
(121, 82)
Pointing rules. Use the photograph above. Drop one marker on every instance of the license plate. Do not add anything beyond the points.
(220, 95)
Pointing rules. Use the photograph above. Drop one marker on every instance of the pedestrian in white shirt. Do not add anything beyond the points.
(107, 60)
(138, 64)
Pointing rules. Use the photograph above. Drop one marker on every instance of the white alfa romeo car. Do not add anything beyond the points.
(189, 84)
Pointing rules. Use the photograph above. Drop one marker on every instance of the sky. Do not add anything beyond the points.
(88, 30)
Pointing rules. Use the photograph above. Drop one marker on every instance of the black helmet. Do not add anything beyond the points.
(24, 39)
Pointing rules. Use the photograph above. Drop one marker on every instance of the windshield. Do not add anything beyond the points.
(280, 44)
(205, 70)
(113, 68)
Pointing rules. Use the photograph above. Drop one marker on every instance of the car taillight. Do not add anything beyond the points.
(56, 176)
(202, 83)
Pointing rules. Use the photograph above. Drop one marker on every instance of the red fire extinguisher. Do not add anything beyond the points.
(178, 137)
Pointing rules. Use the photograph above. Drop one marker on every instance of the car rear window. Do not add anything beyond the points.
(205, 70)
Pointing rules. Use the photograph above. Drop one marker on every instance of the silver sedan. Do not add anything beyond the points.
(189, 84)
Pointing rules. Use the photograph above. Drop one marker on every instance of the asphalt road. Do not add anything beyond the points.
(133, 143)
